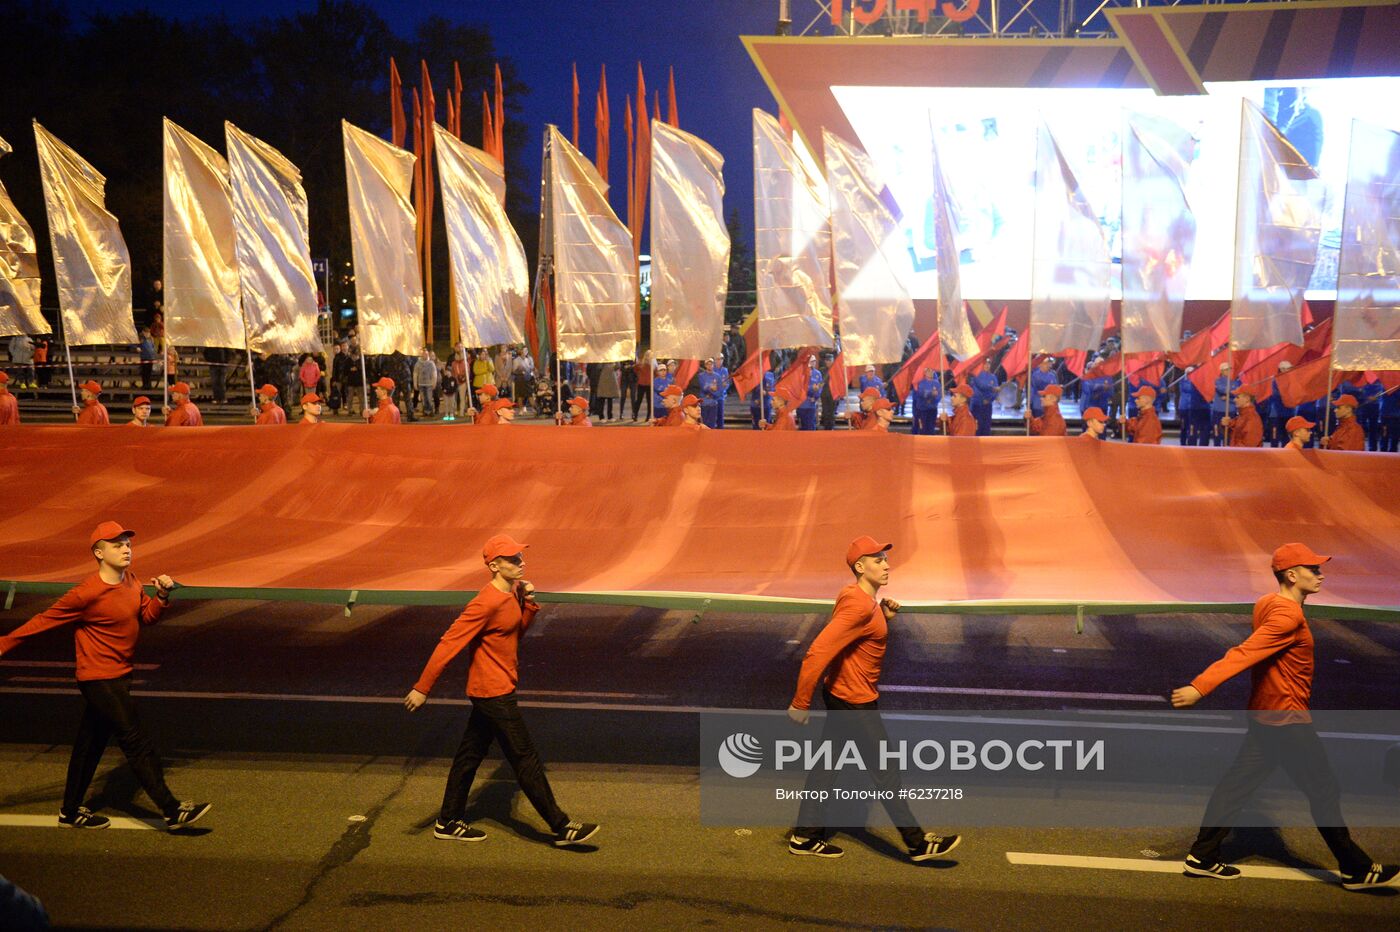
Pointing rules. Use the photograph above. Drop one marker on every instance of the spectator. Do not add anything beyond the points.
(146, 348)
(609, 389)
(438, 388)
(309, 375)
(22, 358)
(483, 373)
(629, 391)
(218, 357)
(425, 381)
(172, 364)
(41, 362)
(158, 326)
(641, 390)
(502, 362)
(459, 365)
(522, 370)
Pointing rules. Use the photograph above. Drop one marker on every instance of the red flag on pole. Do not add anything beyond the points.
(838, 381)
(685, 371)
(574, 138)
(673, 115)
(1203, 377)
(1199, 348)
(747, 376)
(457, 96)
(1017, 359)
(602, 124)
(488, 132)
(796, 379)
(929, 354)
(397, 123)
(500, 121)
(631, 167)
(994, 329)
(1310, 382)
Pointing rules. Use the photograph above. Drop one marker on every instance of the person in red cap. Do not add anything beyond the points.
(1347, 435)
(1299, 432)
(92, 412)
(1246, 428)
(140, 412)
(1146, 427)
(1094, 423)
(503, 409)
(784, 405)
(845, 661)
(862, 418)
(310, 408)
(384, 410)
(490, 628)
(692, 414)
(9, 405)
(671, 397)
(107, 611)
(1051, 422)
(268, 411)
(184, 413)
(962, 423)
(483, 413)
(578, 413)
(1279, 656)
(881, 415)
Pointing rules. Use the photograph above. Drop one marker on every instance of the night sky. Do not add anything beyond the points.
(716, 83)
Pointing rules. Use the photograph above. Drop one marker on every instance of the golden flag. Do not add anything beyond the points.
(89, 253)
(792, 243)
(1367, 319)
(388, 284)
(490, 277)
(875, 309)
(689, 245)
(19, 269)
(595, 283)
(201, 273)
(274, 257)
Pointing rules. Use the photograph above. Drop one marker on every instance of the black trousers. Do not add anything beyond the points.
(109, 713)
(1299, 751)
(498, 719)
(867, 731)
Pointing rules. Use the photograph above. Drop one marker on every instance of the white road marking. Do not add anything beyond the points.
(1260, 871)
(51, 821)
(1023, 693)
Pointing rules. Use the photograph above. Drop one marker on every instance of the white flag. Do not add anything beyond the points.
(1367, 325)
(954, 330)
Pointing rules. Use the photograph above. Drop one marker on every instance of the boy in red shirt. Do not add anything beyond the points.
(490, 628)
(578, 413)
(9, 407)
(92, 412)
(845, 660)
(107, 610)
(185, 413)
(1279, 656)
(384, 410)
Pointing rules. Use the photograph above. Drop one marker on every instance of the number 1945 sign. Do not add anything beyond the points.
(868, 12)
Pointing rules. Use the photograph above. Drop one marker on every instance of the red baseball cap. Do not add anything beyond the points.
(140, 400)
(1291, 555)
(871, 392)
(1244, 390)
(91, 386)
(1297, 423)
(311, 398)
(1095, 414)
(578, 402)
(502, 545)
(863, 547)
(1147, 390)
(109, 530)
(964, 390)
(4, 377)
(385, 383)
(690, 401)
(502, 403)
(1052, 389)
(488, 389)
(180, 388)
(672, 390)
(881, 404)
(1346, 400)
(268, 390)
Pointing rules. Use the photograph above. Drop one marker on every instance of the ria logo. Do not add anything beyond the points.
(740, 755)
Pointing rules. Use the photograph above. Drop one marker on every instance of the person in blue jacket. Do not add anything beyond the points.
(770, 381)
(1193, 413)
(1043, 377)
(1134, 384)
(659, 383)
(927, 394)
(871, 379)
(1095, 390)
(710, 393)
(1390, 421)
(1275, 413)
(1224, 390)
(724, 382)
(984, 387)
(1369, 414)
(807, 410)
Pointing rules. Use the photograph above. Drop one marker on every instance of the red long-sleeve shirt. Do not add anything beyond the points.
(1146, 427)
(782, 420)
(1347, 435)
(184, 415)
(107, 620)
(271, 414)
(386, 413)
(490, 627)
(9, 409)
(1246, 430)
(963, 424)
(1050, 424)
(1279, 656)
(851, 647)
(94, 414)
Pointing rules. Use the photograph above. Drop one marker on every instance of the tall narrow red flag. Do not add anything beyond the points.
(602, 124)
(796, 378)
(418, 168)
(656, 106)
(488, 132)
(397, 123)
(1017, 359)
(929, 354)
(641, 170)
(673, 115)
(838, 380)
(500, 121)
(429, 120)
(746, 377)
(574, 138)
(457, 96)
(631, 167)
(685, 371)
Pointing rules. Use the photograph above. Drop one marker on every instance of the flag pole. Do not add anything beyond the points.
(165, 368)
(68, 354)
(1331, 362)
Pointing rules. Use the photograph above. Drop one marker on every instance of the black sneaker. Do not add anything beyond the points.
(816, 847)
(83, 818)
(575, 833)
(934, 846)
(187, 815)
(1195, 867)
(457, 830)
(1377, 875)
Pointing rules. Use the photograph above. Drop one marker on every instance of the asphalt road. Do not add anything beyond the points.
(286, 717)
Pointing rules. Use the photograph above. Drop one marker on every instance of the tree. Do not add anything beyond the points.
(742, 276)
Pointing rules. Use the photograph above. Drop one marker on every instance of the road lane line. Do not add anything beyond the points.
(51, 821)
(1260, 871)
(1022, 693)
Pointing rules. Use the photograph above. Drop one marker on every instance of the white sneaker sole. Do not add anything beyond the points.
(88, 827)
(561, 843)
(458, 837)
(1190, 871)
(942, 854)
(181, 826)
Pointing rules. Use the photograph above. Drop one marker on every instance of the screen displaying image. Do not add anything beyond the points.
(987, 138)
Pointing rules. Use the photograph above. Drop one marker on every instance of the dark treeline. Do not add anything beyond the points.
(103, 84)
